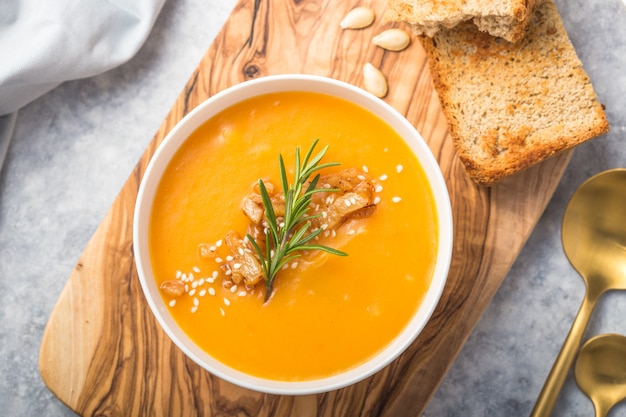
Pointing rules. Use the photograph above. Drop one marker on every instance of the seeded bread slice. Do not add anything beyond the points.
(509, 106)
(507, 19)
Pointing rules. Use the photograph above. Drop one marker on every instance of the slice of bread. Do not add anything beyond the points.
(509, 106)
(507, 19)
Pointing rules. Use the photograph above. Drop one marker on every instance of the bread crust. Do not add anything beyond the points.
(507, 19)
(510, 106)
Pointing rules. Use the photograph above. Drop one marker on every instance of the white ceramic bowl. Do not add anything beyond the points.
(226, 99)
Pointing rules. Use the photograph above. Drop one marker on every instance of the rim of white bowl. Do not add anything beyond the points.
(226, 98)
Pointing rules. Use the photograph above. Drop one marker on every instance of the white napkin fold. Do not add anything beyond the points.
(46, 42)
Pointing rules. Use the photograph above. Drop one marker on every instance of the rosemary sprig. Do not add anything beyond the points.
(285, 240)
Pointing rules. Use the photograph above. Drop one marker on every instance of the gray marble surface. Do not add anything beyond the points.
(74, 148)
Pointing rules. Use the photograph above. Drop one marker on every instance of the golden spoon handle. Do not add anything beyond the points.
(563, 362)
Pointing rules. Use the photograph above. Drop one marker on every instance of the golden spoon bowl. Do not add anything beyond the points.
(594, 240)
(600, 371)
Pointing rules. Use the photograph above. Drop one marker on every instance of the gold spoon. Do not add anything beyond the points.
(600, 371)
(594, 240)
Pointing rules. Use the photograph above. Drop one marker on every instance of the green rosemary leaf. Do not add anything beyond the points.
(285, 260)
(311, 217)
(308, 194)
(259, 253)
(299, 235)
(284, 241)
(316, 159)
(269, 209)
(324, 248)
(310, 152)
(309, 237)
(283, 175)
(312, 185)
(297, 174)
(327, 165)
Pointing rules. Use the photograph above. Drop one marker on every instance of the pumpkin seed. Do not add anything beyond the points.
(392, 39)
(374, 80)
(358, 18)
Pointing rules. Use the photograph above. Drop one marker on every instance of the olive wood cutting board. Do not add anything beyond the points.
(103, 352)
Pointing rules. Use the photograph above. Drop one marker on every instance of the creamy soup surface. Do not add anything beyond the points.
(328, 313)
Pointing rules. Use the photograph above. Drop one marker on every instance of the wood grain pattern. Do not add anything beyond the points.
(104, 354)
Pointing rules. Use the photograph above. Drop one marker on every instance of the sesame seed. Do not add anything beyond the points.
(210, 280)
(365, 168)
(399, 168)
(228, 272)
(351, 232)
(226, 301)
(285, 266)
(202, 293)
(218, 243)
(219, 260)
(324, 214)
(183, 277)
(222, 312)
(233, 289)
(211, 291)
(294, 265)
(229, 258)
(215, 274)
(242, 293)
(196, 302)
(236, 266)
(192, 292)
(240, 251)
(376, 200)
(361, 177)
(201, 282)
(213, 248)
(396, 199)
(172, 303)
(383, 177)
(186, 288)
(194, 309)
(179, 274)
(190, 277)
(379, 188)
(326, 233)
(196, 269)
(347, 203)
(333, 233)
(353, 200)
(194, 284)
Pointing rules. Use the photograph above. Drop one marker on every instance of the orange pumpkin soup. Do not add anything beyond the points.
(328, 313)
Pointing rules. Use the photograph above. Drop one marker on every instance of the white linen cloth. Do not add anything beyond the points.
(46, 42)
